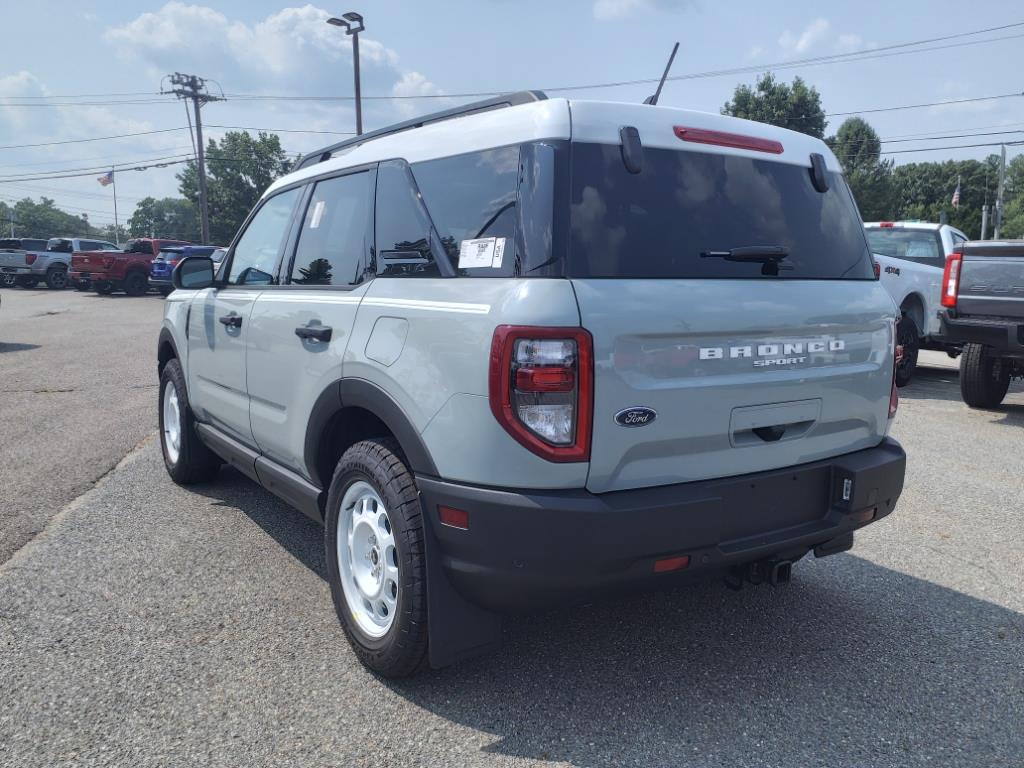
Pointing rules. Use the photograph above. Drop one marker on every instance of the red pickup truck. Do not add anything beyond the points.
(109, 271)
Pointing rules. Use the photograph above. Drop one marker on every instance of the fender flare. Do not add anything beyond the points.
(360, 393)
(166, 337)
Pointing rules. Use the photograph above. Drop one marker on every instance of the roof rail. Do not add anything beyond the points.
(486, 105)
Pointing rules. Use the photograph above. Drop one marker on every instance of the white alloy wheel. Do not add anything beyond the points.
(367, 559)
(172, 422)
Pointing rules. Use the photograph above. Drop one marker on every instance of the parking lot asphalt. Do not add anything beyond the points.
(77, 382)
(153, 625)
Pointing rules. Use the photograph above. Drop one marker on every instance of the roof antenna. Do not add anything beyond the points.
(653, 99)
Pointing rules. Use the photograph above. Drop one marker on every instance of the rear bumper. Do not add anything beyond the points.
(32, 271)
(1004, 336)
(526, 549)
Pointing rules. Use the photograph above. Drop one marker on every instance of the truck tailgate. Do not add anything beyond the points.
(992, 285)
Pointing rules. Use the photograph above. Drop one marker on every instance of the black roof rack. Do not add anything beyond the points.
(486, 105)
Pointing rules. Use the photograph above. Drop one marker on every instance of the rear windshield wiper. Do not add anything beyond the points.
(766, 254)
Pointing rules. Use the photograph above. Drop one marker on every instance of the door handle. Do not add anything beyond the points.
(311, 331)
(231, 320)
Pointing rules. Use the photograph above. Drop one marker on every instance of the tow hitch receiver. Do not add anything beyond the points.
(774, 572)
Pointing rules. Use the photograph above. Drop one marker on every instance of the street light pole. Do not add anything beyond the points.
(352, 22)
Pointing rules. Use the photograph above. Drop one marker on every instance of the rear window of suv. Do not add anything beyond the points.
(659, 222)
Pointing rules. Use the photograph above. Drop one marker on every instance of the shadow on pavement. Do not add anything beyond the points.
(16, 347)
(944, 384)
(851, 664)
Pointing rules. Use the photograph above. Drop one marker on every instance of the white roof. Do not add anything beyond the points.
(590, 121)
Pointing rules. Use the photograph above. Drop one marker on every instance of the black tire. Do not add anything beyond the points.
(402, 650)
(909, 338)
(136, 284)
(82, 285)
(8, 280)
(195, 463)
(984, 378)
(57, 278)
(28, 283)
(166, 290)
(103, 288)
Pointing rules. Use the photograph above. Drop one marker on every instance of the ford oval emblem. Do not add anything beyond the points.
(637, 416)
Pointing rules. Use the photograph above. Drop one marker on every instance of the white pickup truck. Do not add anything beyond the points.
(911, 256)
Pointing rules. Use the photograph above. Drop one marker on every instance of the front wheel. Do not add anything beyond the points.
(376, 564)
(984, 378)
(187, 459)
(8, 280)
(908, 337)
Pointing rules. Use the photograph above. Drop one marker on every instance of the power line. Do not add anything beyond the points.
(859, 55)
(919, 106)
(94, 138)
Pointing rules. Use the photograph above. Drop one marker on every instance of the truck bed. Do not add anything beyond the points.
(992, 280)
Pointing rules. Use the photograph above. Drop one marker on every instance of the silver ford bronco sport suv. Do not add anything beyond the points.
(530, 351)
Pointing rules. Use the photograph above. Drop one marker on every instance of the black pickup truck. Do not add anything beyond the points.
(983, 300)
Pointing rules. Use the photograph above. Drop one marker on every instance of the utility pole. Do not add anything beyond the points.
(194, 88)
(998, 224)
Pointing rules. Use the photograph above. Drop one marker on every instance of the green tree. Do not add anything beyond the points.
(171, 217)
(239, 168)
(796, 106)
(45, 219)
(925, 190)
(858, 148)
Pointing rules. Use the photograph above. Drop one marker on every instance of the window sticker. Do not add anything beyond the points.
(318, 213)
(483, 252)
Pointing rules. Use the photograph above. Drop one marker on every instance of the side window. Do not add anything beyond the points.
(473, 198)
(255, 256)
(91, 245)
(333, 242)
(402, 228)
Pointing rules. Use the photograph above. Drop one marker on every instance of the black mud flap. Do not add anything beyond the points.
(457, 629)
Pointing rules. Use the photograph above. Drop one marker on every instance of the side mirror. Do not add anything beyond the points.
(193, 273)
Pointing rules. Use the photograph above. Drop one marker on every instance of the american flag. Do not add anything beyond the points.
(106, 178)
(955, 202)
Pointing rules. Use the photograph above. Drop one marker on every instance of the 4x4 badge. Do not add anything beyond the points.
(637, 416)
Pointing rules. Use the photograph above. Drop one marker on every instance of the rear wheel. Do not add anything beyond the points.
(908, 337)
(984, 378)
(376, 563)
(187, 459)
(57, 278)
(136, 284)
(104, 288)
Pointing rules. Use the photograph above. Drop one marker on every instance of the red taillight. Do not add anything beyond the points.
(725, 139)
(951, 280)
(541, 389)
(667, 564)
(877, 268)
(172, 262)
(894, 396)
(454, 518)
(30, 258)
(887, 224)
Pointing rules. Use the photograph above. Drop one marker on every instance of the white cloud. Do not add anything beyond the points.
(813, 33)
(292, 50)
(754, 52)
(850, 42)
(415, 84)
(607, 10)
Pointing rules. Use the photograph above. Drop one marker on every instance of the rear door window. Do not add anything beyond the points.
(59, 245)
(661, 222)
(403, 230)
(472, 197)
(333, 243)
(921, 245)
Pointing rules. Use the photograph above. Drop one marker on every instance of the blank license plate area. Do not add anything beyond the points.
(781, 500)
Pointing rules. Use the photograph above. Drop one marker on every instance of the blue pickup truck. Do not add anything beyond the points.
(164, 262)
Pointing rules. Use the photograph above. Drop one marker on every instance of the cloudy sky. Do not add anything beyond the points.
(68, 74)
